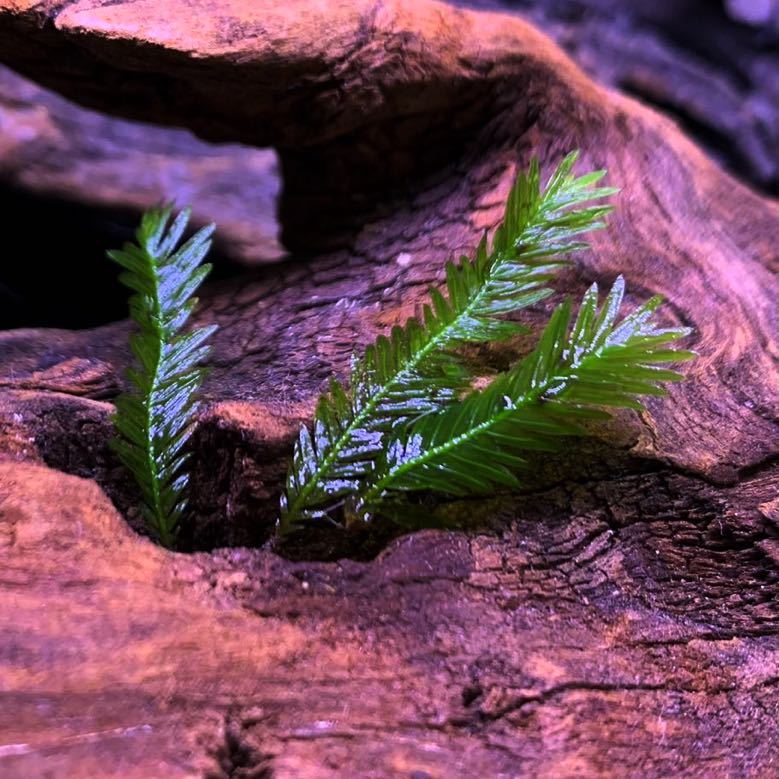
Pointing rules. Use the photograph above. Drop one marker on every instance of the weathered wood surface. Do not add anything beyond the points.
(720, 77)
(620, 620)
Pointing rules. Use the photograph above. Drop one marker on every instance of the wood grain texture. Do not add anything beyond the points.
(618, 620)
(591, 637)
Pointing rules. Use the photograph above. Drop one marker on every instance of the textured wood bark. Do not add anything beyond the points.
(619, 620)
(614, 628)
(719, 77)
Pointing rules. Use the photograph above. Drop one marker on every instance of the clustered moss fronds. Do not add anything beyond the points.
(409, 422)
(409, 419)
(154, 419)
(416, 371)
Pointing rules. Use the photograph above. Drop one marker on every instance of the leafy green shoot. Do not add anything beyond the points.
(415, 371)
(155, 419)
(480, 443)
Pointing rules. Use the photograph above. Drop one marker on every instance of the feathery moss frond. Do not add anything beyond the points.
(154, 419)
(480, 442)
(415, 371)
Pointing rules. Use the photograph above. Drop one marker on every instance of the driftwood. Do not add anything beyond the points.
(620, 620)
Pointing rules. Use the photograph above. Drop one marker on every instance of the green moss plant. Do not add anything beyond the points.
(346, 462)
(155, 418)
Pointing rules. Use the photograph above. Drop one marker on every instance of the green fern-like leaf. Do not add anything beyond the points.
(481, 442)
(415, 370)
(154, 419)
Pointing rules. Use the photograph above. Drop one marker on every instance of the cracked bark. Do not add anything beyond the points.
(619, 619)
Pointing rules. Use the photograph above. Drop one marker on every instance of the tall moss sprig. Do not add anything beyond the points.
(154, 420)
(415, 371)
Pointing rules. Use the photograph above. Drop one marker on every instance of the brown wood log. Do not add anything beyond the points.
(618, 619)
